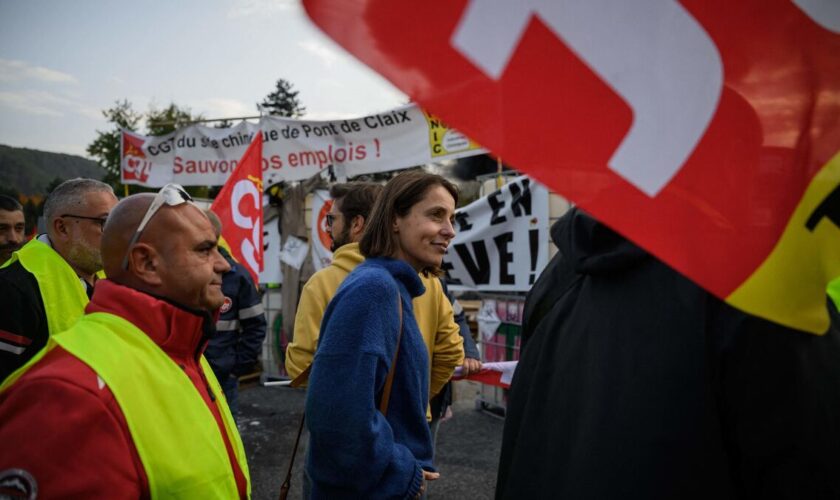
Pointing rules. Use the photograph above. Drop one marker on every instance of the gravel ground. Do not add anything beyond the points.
(468, 445)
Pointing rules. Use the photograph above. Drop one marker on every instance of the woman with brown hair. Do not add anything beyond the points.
(369, 386)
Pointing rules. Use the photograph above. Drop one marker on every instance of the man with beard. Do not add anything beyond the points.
(345, 222)
(123, 404)
(11, 227)
(46, 285)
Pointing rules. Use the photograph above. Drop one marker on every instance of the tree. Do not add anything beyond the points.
(105, 149)
(283, 101)
(168, 119)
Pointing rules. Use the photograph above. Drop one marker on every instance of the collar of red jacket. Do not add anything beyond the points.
(176, 329)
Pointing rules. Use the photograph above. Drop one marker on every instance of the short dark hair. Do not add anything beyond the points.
(10, 204)
(399, 195)
(357, 198)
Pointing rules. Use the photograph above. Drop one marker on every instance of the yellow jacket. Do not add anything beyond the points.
(432, 310)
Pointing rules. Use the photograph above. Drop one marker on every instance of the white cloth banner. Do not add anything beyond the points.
(501, 241)
(293, 149)
(319, 236)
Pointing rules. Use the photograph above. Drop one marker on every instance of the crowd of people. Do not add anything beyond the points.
(125, 326)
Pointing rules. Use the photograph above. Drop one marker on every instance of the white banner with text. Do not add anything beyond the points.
(293, 149)
(501, 241)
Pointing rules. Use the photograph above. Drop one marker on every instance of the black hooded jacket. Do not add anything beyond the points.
(636, 383)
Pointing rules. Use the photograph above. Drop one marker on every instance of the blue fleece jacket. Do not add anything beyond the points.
(355, 451)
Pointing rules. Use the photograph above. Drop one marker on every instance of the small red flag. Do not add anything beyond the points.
(134, 167)
(239, 207)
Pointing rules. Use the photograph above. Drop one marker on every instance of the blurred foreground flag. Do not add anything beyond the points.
(707, 131)
(239, 207)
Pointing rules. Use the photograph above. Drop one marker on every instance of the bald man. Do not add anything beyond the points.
(126, 405)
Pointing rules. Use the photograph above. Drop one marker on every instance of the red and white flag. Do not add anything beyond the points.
(135, 168)
(499, 373)
(707, 131)
(239, 207)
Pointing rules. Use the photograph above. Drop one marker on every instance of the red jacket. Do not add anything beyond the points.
(61, 425)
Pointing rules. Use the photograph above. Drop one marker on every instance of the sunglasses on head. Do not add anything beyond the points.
(171, 195)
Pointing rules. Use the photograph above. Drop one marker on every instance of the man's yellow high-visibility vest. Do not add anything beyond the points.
(834, 292)
(175, 433)
(63, 294)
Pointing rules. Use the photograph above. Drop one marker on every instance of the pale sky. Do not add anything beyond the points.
(63, 61)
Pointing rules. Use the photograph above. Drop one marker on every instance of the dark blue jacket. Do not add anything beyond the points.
(355, 451)
(470, 349)
(240, 330)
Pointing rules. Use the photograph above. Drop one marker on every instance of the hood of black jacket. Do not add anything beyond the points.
(591, 246)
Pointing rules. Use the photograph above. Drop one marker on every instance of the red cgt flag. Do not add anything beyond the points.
(134, 168)
(707, 131)
(239, 207)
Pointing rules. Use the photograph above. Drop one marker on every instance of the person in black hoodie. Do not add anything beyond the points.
(636, 383)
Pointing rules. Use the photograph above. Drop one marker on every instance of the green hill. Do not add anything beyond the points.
(30, 171)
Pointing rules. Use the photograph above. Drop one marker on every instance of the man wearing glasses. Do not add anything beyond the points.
(46, 285)
(345, 222)
(125, 399)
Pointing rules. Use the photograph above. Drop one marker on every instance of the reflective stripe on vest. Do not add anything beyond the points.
(175, 433)
(63, 294)
(12, 378)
